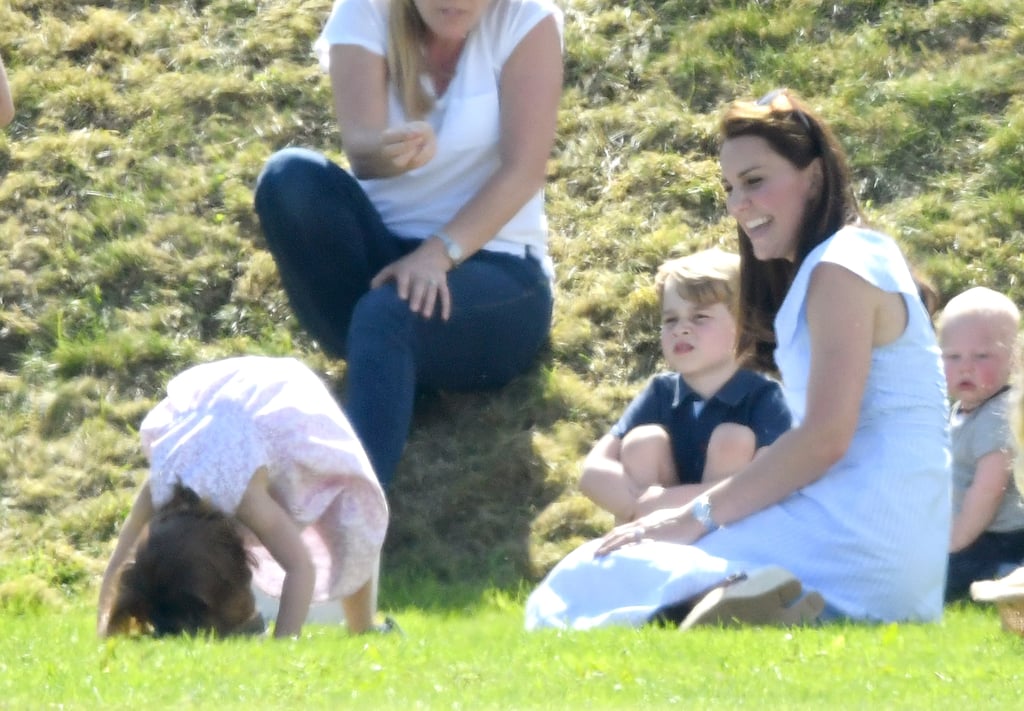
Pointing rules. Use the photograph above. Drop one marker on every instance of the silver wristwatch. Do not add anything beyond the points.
(451, 247)
(702, 512)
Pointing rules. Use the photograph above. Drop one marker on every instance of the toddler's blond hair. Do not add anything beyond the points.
(710, 276)
(980, 301)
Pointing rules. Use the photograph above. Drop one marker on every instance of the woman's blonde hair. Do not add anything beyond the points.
(406, 35)
(711, 276)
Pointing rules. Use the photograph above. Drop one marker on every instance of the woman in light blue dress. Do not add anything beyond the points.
(850, 510)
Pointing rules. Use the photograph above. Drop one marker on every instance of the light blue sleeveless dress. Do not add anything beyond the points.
(871, 535)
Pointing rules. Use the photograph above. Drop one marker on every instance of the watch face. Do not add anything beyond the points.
(702, 512)
(451, 248)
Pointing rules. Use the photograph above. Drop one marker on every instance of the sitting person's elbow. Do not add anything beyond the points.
(833, 444)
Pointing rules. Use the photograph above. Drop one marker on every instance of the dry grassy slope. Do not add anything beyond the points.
(129, 249)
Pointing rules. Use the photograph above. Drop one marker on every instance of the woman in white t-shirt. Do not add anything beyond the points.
(425, 264)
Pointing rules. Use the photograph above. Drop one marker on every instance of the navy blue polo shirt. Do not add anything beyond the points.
(748, 398)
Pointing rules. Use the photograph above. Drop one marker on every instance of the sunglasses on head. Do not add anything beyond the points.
(778, 100)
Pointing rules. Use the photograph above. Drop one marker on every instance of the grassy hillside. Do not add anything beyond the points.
(129, 249)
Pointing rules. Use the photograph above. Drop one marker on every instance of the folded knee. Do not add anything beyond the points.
(645, 436)
(381, 311)
(288, 178)
(732, 440)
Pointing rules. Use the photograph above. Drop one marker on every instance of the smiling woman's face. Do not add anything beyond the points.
(766, 194)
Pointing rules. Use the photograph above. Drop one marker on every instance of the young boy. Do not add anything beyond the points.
(699, 423)
(977, 332)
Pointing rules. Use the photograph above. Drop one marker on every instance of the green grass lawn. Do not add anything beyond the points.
(482, 659)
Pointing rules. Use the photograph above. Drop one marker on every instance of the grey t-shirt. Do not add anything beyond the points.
(973, 435)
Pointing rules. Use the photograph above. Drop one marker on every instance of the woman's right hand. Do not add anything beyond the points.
(410, 145)
(421, 278)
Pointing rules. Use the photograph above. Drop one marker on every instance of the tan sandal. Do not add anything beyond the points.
(767, 596)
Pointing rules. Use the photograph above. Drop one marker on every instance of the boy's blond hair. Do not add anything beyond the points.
(980, 301)
(707, 277)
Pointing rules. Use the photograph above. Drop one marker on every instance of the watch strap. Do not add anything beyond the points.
(452, 248)
(702, 512)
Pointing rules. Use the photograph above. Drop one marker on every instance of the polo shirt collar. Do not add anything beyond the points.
(732, 393)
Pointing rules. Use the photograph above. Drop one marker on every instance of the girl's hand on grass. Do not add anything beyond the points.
(649, 501)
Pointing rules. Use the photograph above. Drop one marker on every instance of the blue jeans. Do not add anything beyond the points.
(982, 560)
(329, 241)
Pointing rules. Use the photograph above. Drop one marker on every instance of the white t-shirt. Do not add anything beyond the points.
(466, 120)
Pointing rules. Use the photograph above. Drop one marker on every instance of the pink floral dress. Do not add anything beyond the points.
(223, 420)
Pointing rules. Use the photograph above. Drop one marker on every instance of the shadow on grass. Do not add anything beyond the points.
(468, 488)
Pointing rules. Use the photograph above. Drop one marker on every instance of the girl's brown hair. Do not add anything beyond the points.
(406, 35)
(797, 134)
(191, 574)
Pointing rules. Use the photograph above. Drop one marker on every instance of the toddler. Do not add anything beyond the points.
(255, 476)
(702, 421)
(977, 330)
(1008, 592)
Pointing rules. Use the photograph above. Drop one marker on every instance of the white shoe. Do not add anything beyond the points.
(1011, 586)
(1008, 595)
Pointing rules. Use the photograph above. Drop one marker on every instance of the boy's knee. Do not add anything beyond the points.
(640, 441)
(647, 457)
(732, 434)
(730, 448)
(733, 440)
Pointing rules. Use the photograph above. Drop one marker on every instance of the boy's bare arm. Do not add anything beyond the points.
(657, 497)
(982, 499)
(604, 480)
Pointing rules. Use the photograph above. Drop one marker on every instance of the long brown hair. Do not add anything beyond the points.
(406, 36)
(797, 134)
(191, 574)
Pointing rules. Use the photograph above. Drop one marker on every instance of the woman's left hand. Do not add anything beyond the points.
(421, 278)
(675, 525)
(628, 534)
